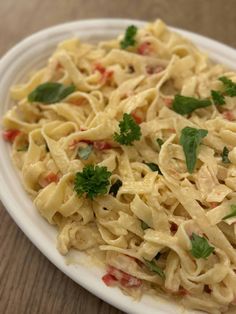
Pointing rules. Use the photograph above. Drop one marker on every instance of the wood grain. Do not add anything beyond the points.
(29, 283)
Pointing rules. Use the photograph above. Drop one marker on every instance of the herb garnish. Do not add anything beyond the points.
(230, 86)
(129, 38)
(153, 167)
(232, 214)
(190, 140)
(93, 181)
(50, 92)
(224, 155)
(185, 105)
(129, 131)
(144, 226)
(200, 247)
(218, 98)
(84, 152)
(154, 268)
(115, 187)
(160, 142)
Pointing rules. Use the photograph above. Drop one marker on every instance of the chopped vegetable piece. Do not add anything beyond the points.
(154, 268)
(49, 178)
(109, 280)
(115, 187)
(230, 86)
(93, 181)
(160, 142)
(185, 105)
(129, 38)
(145, 48)
(138, 119)
(153, 167)
(218, 98)
(200, 247)
(10, 135)
(125, 279)
(84, 152)
(101, 145)
(129, 131)
(190, 139)
(144, 226)
(228, 115)
(23, 148)
(224, 155)
(50, 92)
(233, 212)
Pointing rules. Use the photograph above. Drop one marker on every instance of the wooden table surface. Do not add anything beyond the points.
(29, 283)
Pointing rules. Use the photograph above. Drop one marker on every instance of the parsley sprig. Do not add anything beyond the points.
(190, 139)
(129, 38)
(200, 247)
(129, 131)
(224, 155)
(154, 268)
(50, 92)
(92, 181)
(229, 86)
(218, 98)
(185, 105)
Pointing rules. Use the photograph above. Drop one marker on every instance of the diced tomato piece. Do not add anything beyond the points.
(101, 145)
(154, 69)
(109, 280)
(10, 135)
(136, 117)
(145, 48)
(77, 101)
(228, 115)
(49, 178)
(126, 280)
(106, 75)
(73, 144)
(168, 102)
(213, 204)
(182, 292)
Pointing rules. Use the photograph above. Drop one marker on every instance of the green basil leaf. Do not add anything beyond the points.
(229, 86)
(224, 155)
(115, 187)
(200, 247)
(190, 140)
(154, 268)
(218, 98)
(129, 38)
(84, 152)
(232, 214)
(185, 105)
(153, 167)
(50, 92)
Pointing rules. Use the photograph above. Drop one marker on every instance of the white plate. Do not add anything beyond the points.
(30, 54)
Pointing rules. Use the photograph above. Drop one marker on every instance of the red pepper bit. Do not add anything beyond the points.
(228, 115)
(213, 204)
(145, 48)
(49, 178)
(10, 135)
(101, 145)
(77, 101)
(109, 280)
(125, 279)
(136, 117)
(106, 75)
(168, 102)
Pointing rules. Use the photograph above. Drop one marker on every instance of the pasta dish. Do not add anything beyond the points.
(128, 148)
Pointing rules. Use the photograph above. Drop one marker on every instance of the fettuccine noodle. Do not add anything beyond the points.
(141, 80)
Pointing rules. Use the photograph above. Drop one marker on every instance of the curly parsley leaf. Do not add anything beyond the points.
(154, 268)
(232, 214)
(160, 142)
(190, 139)
(185, 105)
(144, 226)
(50, 92)
(93, 181)
(153, 167)
(129, 38)
(229, 86)
(200, 247)
(224, 155)
(218, 98)
(115, 187)
(129, 131)
(84, 152)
